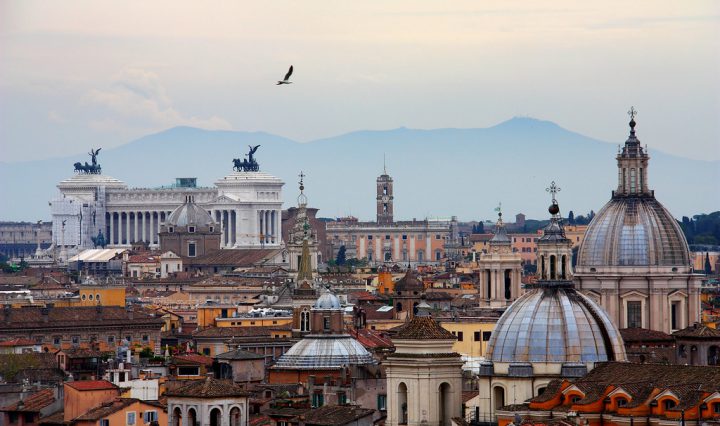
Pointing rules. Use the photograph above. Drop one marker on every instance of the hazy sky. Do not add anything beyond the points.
(75, 74)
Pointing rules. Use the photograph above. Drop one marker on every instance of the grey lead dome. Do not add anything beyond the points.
(633, 231)
(555, 324)
(190, 214)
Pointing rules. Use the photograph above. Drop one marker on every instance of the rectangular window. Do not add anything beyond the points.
(317, 400)
(486, 335)
(75, 340)
(387, 237)
(369, 237)
(191, 250)
(150, 416)
(145, 338)
(56, 340)
(476, 336)
(130, 418)
(188, 371)
(460, 336)
(437, 236)
(121, 376)
(111, 339)
(342, 398)
(191, 229)
(634, 314)
(382, 402)
(404, 237)
(674, 310)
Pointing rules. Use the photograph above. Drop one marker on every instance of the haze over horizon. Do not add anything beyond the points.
(82, 74)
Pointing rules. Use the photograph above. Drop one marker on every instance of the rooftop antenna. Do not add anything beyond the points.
(384, 165)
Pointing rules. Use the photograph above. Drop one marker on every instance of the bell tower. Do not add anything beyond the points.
(384, 198)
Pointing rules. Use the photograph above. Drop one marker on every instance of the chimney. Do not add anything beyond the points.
(130, 312)
(45, 312)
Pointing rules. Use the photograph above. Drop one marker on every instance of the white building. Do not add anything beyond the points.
(246, 204)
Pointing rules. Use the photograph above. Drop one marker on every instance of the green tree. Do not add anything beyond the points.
(340, 259)
(708, 267)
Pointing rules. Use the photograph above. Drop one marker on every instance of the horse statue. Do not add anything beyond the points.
(99, 240)
(248, 164)
(93, 169)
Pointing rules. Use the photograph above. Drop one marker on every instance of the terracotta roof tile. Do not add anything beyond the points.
(208, 388)
(233, 257)
(34, 402)
(335, 415)
(106, 408)
(32, 317)
(422, 328)
(18, 341)
(91, 385)
(644, 335)
(698, 330)
(192, 359)
(229, 332)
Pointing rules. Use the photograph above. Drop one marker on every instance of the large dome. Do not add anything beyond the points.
(325, 352)
(633, 231)
(555, 324)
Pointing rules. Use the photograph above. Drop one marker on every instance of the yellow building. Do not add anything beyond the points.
(94, 296)
(252, 322)
(575, 233)
(472, 334)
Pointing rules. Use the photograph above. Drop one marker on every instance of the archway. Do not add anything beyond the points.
(498, 397)
(235, 417)
(563, 268)
(398, 307)
(192, 417)
(402, 408)
(713, 355)
(177, 417)
(444, 404)
(553, 267)
(215, 417)
(508, 284)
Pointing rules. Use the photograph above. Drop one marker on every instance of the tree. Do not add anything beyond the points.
(340, 259)
(571, 218)
(708, 267)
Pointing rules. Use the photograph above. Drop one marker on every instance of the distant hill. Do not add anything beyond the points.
(437, 173)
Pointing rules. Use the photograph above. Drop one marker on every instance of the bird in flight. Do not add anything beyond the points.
(287, 77)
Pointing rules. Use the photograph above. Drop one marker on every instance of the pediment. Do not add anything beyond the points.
(224, 199)
(634, 293)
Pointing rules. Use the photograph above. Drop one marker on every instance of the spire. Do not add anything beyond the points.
(384, 165)
(554, 231)
(305, 268)
(302, 199)
(501, 235)
(632, 164)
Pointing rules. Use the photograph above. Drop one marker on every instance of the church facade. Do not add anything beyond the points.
(93, 209)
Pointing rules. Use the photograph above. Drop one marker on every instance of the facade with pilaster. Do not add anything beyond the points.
(246, 205)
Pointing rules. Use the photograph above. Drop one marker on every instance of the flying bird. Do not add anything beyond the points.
(287, 77)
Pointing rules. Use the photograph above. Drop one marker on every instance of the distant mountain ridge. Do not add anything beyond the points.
(437, 172)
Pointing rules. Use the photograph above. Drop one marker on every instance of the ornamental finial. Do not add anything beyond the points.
(553, 189)
(632, 113)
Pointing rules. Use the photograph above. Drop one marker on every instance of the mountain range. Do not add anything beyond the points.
(437, 172)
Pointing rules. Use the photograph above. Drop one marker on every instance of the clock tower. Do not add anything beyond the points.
(384, 199)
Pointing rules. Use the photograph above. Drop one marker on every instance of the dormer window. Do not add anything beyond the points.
(171, 229)
(669, 404)
(212, 229)
(191, 229)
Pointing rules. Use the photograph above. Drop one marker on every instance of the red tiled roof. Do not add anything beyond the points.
(643, 335)
(372, 339)
(193, 359)
(18, 341)
(698, 330)
(107, 408)
(61, 317)
(233, 332)
(34, 402)
(335, 415)
(144, 258)
(91, 385)
(232, 257)
(422, 328)
(209, 388)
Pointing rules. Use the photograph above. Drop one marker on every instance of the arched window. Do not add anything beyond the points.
(508, 284)
(498, 397)
(669, 404)
(304, 321)
(563, 268)
(713, 355)
(553, 267)
(235, 417)
(445, 404)
(438, 255)
(192, 417)
(388, 256)
(177, 417)
(215, 417)
(402, 400)
(543, 271)
(398, 307)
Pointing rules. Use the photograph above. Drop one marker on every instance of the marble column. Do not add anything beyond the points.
(111, 234)
(135, 223)
(152, 228)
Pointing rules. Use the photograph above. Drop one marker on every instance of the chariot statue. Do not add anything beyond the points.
(248, 164)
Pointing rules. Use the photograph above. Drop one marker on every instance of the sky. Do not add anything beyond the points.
(75, 74)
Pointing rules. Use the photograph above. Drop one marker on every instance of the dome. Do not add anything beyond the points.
(409, 282)
(327, 301)
(555, 324)
(325, 352)
(633, 231)
(190, 214)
